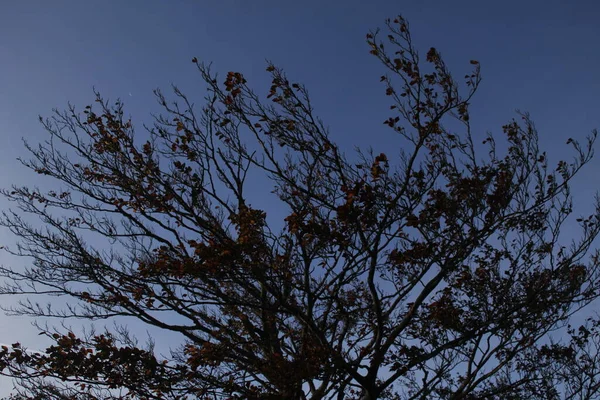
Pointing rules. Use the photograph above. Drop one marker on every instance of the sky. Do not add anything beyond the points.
(536, 56)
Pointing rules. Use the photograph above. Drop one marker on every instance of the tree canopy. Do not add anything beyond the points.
(437, 270)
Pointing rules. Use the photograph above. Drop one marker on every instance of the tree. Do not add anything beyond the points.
(427, 273)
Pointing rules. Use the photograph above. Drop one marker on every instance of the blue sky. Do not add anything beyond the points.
(537, 56)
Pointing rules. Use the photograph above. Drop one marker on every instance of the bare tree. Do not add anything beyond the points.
(436, 271)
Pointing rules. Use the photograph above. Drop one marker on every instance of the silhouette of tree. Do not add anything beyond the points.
(435, 271)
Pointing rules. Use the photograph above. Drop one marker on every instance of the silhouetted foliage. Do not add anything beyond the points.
(434, 271)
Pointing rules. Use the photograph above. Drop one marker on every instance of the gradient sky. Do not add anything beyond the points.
(537, 56)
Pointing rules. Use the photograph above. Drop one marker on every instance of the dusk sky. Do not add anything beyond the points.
(536, 56)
